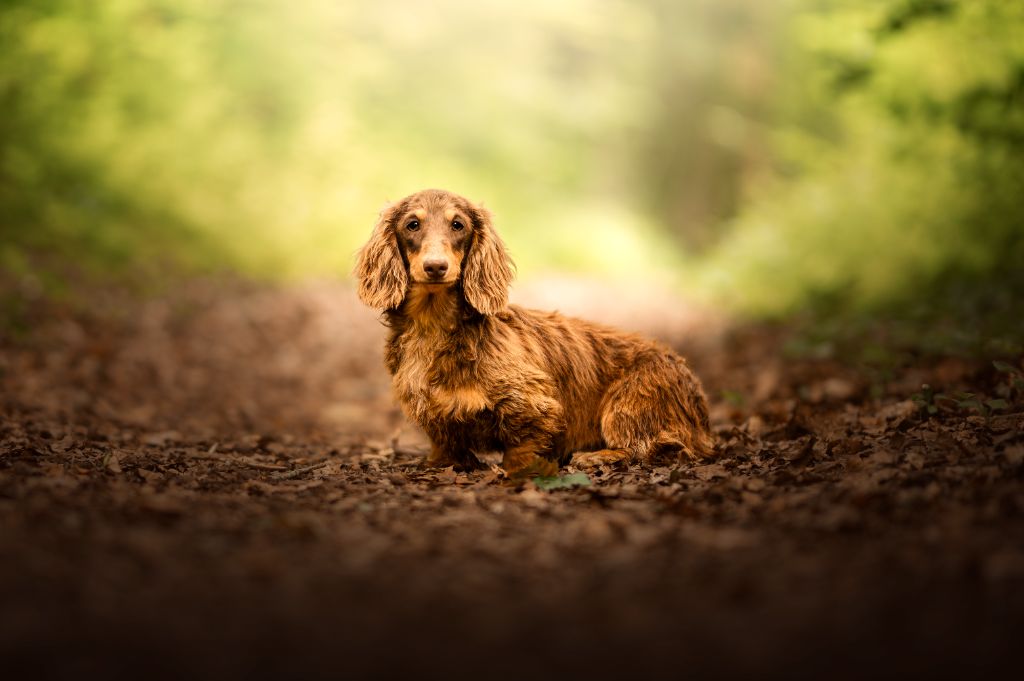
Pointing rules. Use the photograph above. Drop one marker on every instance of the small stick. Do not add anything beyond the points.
(264, 466)
(298, 471)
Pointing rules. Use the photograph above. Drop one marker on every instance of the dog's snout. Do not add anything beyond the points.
(435, 269)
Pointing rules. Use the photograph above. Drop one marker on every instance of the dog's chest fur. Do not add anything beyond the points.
(435, 374)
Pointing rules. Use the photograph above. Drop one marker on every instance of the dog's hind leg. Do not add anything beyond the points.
(655, 407)
(625, 429)
(600, 457)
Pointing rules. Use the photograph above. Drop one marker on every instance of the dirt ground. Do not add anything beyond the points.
(215, 483)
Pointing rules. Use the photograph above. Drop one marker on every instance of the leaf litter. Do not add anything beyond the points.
(218, 481)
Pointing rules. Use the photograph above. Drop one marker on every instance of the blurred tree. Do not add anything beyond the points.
(896, 143)
(713, 67)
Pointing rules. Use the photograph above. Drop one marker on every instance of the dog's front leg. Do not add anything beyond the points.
(531, 435)
(448, 448)
(442, 458)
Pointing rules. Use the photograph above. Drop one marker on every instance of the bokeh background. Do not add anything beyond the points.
(852, 157)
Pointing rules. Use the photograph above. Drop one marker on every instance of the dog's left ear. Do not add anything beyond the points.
(380, 270)
(489, 269)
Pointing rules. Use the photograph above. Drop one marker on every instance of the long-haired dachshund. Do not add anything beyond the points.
(480, 375)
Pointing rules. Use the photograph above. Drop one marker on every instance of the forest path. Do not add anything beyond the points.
(217, 483)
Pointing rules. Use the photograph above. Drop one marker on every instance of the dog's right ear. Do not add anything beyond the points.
(489, 269)
(380, 271)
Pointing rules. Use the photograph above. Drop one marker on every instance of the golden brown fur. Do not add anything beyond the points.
(480, 375)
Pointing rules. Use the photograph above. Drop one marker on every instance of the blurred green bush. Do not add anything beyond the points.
(264, 137)
(898, 163)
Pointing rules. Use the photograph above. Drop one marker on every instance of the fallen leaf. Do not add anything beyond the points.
(113, 463)
(562, 482)
(710, 471)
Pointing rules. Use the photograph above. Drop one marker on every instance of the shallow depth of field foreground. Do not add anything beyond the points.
(217, 483)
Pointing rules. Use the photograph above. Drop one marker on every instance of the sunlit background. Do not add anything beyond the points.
(764, 156)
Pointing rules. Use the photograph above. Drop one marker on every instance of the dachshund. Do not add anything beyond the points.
(480, 375)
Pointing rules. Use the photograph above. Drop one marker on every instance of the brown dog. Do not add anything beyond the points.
(480, 375)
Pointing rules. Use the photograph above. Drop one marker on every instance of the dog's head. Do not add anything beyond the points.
(434, 239)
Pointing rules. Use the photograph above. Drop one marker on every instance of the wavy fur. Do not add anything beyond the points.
(380, 272)
(489, 269)
(480, 375)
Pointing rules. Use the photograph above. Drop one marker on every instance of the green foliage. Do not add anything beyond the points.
(265, 136)
(733, 397)
(931, 403)
(899, 172)
(824, 155)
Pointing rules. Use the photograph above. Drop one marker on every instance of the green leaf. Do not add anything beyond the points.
(1004, 367)
(733, 397)
(562, 481)
(997, 404)
(971, 404)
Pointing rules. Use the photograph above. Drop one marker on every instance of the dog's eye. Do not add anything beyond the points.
(413, 225)
(457, 225)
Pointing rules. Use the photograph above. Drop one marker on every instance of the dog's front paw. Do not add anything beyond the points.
(521, 463)
(601, 457)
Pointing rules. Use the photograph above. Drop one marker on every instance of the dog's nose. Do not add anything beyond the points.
(435, 269)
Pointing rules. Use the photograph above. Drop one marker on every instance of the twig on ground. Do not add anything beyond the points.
(264, 466)
(298, 471)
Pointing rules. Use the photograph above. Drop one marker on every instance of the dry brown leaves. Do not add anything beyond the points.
(223, 472)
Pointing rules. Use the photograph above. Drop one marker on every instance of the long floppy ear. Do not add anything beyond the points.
(380, 270)
(489, 269)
